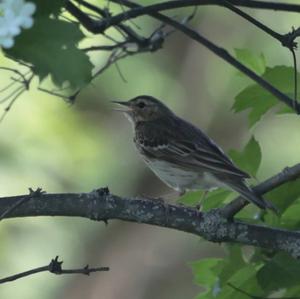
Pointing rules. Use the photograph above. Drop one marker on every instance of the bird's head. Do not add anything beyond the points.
(143, 108)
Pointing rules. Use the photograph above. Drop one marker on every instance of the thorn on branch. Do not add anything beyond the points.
(102, 191)
(288, 39)
(55, 266)
(36, 193)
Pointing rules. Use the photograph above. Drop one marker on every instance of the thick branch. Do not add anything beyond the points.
(213, 226)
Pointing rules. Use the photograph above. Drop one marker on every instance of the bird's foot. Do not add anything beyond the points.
(198, 207)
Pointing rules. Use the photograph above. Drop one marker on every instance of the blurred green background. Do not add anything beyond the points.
(77, 148)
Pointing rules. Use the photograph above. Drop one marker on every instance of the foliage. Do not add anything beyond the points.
(51, 49)
(256, 63)
(258, 100)
(244, 273)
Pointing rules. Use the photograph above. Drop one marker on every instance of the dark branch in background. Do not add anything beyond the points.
(167, 5)
(100, 205)
(101, 26)
(134, 43)
(11, 92)
(284, 39)
(54, 267)
(295, 75)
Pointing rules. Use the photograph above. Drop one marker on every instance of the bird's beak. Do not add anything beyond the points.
(122, 106)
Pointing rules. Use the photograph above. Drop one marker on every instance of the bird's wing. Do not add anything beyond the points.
(191, 149)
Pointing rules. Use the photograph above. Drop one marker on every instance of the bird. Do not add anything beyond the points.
(181, 154)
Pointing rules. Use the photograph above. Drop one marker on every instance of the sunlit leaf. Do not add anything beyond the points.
(192, 198)
(51, 47)
(205, 271)
(206, 200)
(259, 100)
(214, 199)
(256, 63)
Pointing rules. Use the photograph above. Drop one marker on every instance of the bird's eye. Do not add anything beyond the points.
(141, 105)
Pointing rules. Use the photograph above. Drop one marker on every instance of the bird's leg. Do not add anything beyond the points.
(182, 192)
(199, 205)
(160, 198)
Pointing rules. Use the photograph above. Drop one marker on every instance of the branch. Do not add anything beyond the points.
(287, 40)
(55, 268)
(205, 42)
(100, 205)
(168, 5)
(288, 174)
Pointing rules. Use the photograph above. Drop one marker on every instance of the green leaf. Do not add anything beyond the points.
(214, 199)
(245, 280)
(282, 271)
(259, 100)
(192, 198)
(48, 7)
(232, 263)
(216, 275)
(285, 195)
(256, 63)
(290, 218)
(249, 159)
(208, 201)
(51, 47)
(205, 271)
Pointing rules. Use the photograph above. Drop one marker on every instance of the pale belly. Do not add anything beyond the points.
(182, 180)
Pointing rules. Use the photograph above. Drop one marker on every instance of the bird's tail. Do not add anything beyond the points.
(251, 196)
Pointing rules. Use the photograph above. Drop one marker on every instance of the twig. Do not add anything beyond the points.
(120, 72)
(132, 35)
(295, 77)
(54, 93)
(104, 48)
(8, 86)
(16, 71)
(13, 100)
(286, 175)
(222, 53)
(139, 10)
(255, 22)
(3, 100)
(55, 268)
